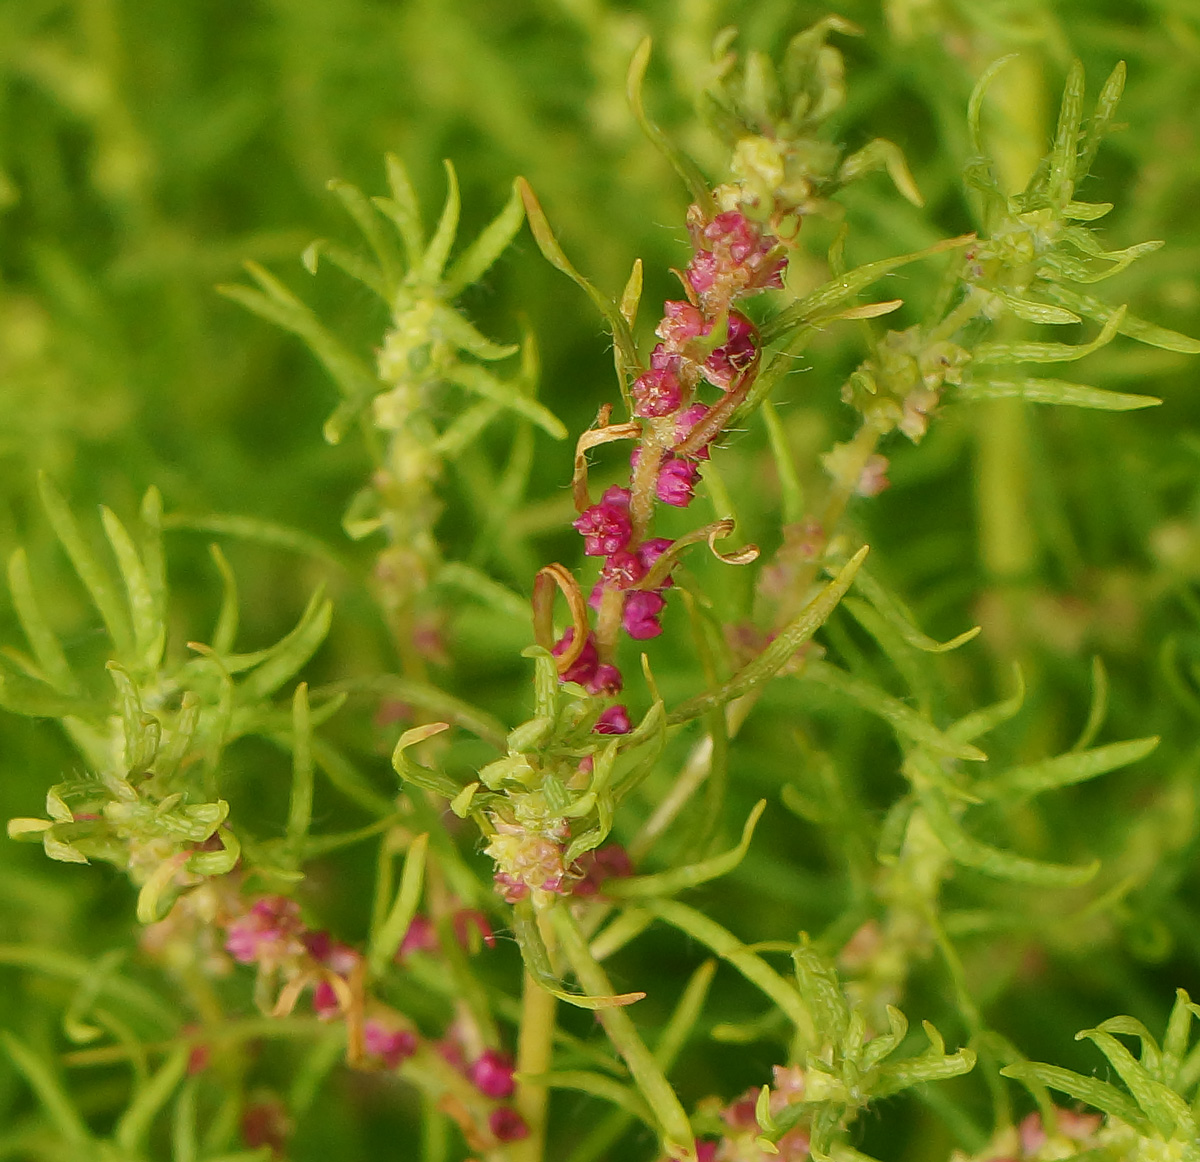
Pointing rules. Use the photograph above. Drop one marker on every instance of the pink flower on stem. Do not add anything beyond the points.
(584, 667)
(615, 720)
(392, 1046)
(594, 867)
(492, 1074)
(507, 1125)
(640, 618)
(676, 482)
(623, 569)
(649, 552)
(467, 918)
(607, 680)
(733, 257)
(681, 323)
(656, 393)
(606, 527)
(266, 934)
(421, 936)
(734, 355)
(685, 422)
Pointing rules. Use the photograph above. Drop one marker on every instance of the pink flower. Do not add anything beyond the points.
(649, 552)
(685, 422)
(706, 1151)
(392, 1045)
(656, 393)
(584, 667)
(681, 323)
(676, 482)
(421, 936)
(734, 355)
(492, 1074)
(325, 1001)
(615, 720)
(623, 569)
(267, 934)
(733, 257)
(603, 864)
(467, 918)
(640, 618)
(607, 680)
(507, 1125)
(606, 527)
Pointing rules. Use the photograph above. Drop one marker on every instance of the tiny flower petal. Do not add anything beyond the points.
(640, 619)
(492, 1074)
(676, 482)
(656, 393)
(507, 1125)
(615, 720)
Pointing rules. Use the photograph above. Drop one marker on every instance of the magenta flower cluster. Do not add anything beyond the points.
(701, 340)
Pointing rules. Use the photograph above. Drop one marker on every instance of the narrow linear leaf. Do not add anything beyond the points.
(412, 772)
(408, 899)
(49, 1090)
(433, 261)
(553, 253)
(96, 579)
(42, 639)
(1064, 770)
(359, 207)
(900, 618)
(473, 263)
(300, 807)
(999, 351)
(403, 209)
(678, 879)
(257, 531)
(835, 292)
(149, 631)
(1003, 865)
(1055, 391)
(673, 1122)
(282, 660)
(133, 1127)
(278, 305)
(1164, 1107)
(1098, 1094)
(596, 1085)
(729, 948)
(483, 383)
(1098, 310)
(901, 717)
(780, 651)
(683, 165)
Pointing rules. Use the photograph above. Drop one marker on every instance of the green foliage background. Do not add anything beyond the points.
(148, 150)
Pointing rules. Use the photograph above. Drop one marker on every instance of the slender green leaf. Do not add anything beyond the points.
(134, 1125)
(689, 875)
(95, 577)
(404, 908)
(433, 261)
(473, 263)
(1065, 770)
(1055, 391)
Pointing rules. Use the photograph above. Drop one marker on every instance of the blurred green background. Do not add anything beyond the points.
(147, 150)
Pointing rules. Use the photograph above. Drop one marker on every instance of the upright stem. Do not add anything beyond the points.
(534, 1042)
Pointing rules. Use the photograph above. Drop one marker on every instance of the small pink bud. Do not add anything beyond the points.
(325, 1001)
(640, 618)
(421, 936)
(507, 1125)
(685, 422)
(735, 354)
(676, 482)
(492, 1074)
(623, 569)
(656, 393)
(583, 669)
(606, 527)
(681, 323)
(467, 918)
(607, 680)
(615, 720)
(392, 1045)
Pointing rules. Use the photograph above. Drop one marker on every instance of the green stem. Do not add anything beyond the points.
(646, 1071)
